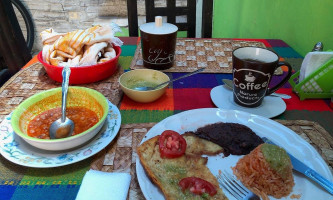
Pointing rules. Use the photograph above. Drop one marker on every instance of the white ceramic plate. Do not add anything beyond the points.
(18, 151)
(279, 134)
(270, 107)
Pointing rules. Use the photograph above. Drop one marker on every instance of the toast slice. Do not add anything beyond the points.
(166, 173)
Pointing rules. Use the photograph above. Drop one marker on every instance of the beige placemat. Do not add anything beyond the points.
(34, 79)
(192, 54)
(120, 155)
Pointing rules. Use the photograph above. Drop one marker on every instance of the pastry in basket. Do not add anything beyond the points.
(174, 163)
(81, 47)
(267, 170)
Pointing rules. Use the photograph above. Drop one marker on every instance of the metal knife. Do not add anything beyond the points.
(307, 171)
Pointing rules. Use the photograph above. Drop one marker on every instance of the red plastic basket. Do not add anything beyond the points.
(84, 74)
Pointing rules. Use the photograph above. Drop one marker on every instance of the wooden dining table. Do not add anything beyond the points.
(312, 119)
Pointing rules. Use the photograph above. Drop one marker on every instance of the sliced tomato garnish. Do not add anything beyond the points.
(171, 144)
(197, 186)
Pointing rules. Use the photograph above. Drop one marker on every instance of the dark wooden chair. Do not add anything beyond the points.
(171, 11)
(14, 53)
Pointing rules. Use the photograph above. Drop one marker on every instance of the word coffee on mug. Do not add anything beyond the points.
(158, 43)
(253, 69)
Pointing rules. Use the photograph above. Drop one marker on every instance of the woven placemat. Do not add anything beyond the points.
(34, 79)
(120, 155)
(314, 134)
(192, 54)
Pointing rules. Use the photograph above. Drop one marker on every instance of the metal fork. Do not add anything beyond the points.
(235, 188)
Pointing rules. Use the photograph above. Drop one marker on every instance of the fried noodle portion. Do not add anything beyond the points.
(256, 174)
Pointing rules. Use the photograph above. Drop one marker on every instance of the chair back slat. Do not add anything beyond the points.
(151, 10)
(191, 17)
(207, 19)
(14, 52)
(132, 13)
(171, 11)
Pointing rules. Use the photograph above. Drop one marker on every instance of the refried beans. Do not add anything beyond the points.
(234, 138)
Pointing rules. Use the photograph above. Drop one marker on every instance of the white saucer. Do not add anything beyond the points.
(270, 107)
(16, 150)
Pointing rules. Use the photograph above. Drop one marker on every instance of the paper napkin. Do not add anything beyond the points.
(104, 186)
(313, 61)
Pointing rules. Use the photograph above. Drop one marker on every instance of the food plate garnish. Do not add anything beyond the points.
(263, 127)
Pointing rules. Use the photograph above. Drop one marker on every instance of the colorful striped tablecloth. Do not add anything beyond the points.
(194, 92)
(17, 182)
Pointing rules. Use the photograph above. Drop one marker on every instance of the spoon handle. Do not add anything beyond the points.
(283, 96)
(66, 71)
(186, 75)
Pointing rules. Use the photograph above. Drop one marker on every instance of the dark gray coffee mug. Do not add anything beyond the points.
(253, 68)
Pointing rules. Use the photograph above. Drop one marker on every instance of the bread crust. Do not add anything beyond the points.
(166, 173)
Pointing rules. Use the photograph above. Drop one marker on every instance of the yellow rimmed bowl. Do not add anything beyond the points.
(49, 99)
(143, 77)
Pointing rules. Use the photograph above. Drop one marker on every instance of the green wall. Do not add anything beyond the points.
(300, 23)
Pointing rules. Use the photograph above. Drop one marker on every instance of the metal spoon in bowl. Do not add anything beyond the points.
(229, 85)
(63, 127)
(144, 88)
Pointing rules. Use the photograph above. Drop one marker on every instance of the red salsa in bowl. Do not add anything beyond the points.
(88, 109)
(82, 117)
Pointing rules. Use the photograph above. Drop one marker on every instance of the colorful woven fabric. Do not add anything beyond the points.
(17, 182)
(194, 92)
